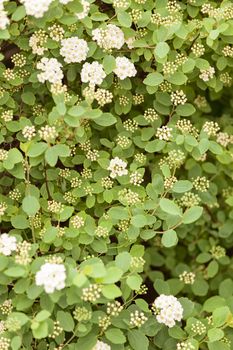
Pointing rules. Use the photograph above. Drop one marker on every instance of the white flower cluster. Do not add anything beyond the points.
(124, 68)
(51, 70)
(110, 38)
(86, 8)
(29, 132)
(36, 8)
(164, 133)
(7, 244)
(207, 74)
(168, 310)
(74, 49)
(117, 167)
(4, 20)
(178, 97)
(51, 277)
(101, 346)
(93, 73)
(64, 2)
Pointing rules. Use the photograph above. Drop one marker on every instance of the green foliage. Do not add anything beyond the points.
(116, 174)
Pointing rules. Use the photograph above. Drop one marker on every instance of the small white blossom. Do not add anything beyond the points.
(4, 20)
(36, 8)
(124, 68)
(74, 50)
(168, 310)
(164, 133)
(207, 74)
(178, 97)
(29, 132)
(93, 73)
(64, 2)
(51, 70)
(109, 38)
(86, 8)
(51, 277)
(117, 167)
(101, 346)
(8, 244)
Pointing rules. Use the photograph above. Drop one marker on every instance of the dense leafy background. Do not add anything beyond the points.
(137, 237)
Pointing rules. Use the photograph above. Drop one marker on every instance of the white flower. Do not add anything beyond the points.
(168, 310)
(29, 132)
(93, 73)
(51, 70)
(7, 244)
(86, 8)
(64, 2)
(130, 42)
(101, 346)
(4, 20)
(74, 49)
(124, 68)
(109, 38)
(51, 276)
(117, 167)
(36, 8)
(164, 133)
(207, 74)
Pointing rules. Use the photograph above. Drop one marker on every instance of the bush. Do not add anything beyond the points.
(116, 175)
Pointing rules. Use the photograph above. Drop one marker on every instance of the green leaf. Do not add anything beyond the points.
(75, 6)
(124, 19)
(134, 282)
(123, 261)
(139, 220)
(137, 340)
(15, 271)
(4, 34)
(169, 238)
(192, 214)
(36, 149)
(212, 269)
(217, 345)
(88, 342)
(113, 275)
(28, 98)
(182, 186)
(51, 156)
(115, 336)
(16, 342)
(41, 331)
(188, 307)
(19, 221)
(153, 79)
(178, 78)
(19, 14)
(111, 291)
(106, 119)
(215, 334)
(213, 303)
(162, 49)
(14, 157)
(200, 287)
(220, 316)
(50, 234)
(66, 320)
(170, 207)
(62, 150)
(109, 64)
(30, 205)
(42, 315)
(76, 111)
(185, 110)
